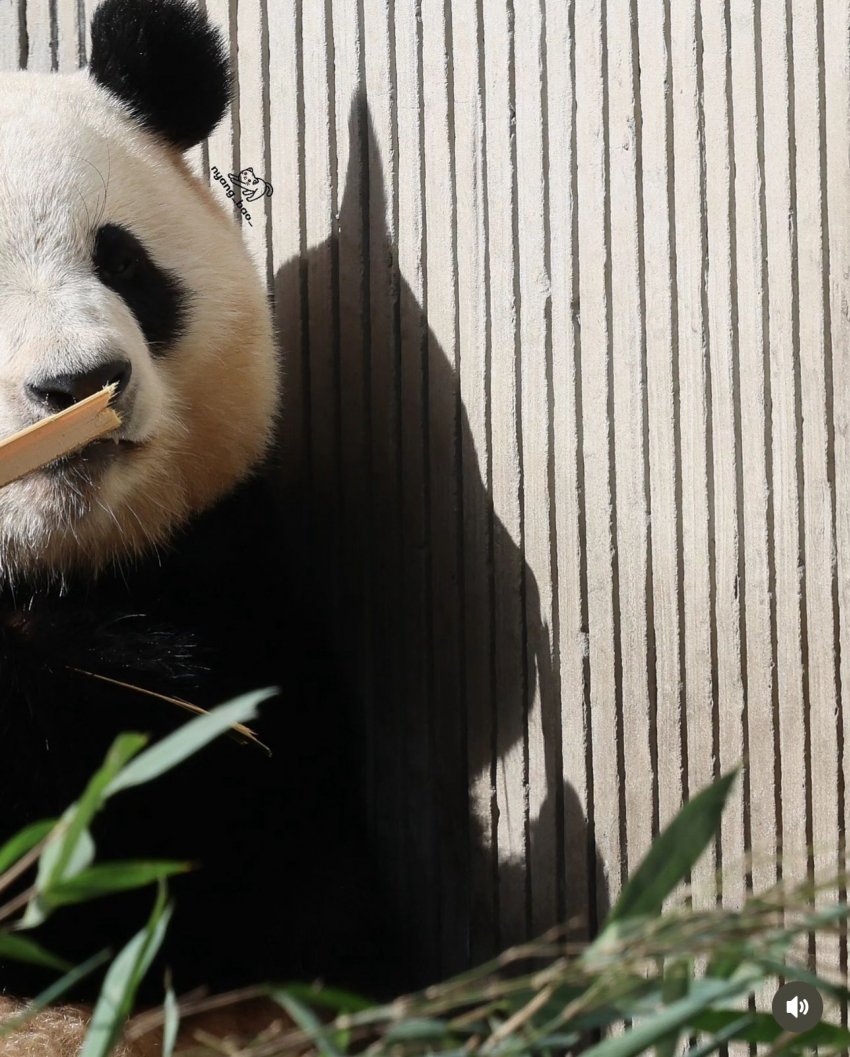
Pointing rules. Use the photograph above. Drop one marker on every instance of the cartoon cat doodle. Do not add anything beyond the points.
(253, 186)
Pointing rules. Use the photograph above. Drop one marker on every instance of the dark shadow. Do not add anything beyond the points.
(436, 614)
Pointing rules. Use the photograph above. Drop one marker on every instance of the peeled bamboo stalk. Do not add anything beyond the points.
(31, 448)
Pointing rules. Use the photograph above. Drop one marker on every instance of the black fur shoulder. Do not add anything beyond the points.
(284, 885)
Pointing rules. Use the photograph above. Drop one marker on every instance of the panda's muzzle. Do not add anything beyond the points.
(52, 393)
(57, 392)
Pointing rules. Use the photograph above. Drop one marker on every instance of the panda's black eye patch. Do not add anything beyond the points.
(155, 297)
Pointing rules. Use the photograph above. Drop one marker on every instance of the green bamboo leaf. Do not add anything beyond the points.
(675, 984)
(725, 962)
(171, 1023)
(772, 967)
(673, 854)
(57, 857)
(105, 879)
(187, 740)
(307, 1020)
(121, 983)
(677, 1016)
(22, 842)
(763, 1028)
(71, 848)
(418, 1029)
(81, 855)
(23, 949)
(741, 1022)
(558, 1044)
(331, 998)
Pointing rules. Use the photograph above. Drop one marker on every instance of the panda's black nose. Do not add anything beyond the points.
(58, 391)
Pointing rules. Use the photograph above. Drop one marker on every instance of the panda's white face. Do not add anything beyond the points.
(117, 265)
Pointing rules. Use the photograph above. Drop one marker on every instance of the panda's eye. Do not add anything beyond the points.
(123, 267)
(155, 296)
(118, 257)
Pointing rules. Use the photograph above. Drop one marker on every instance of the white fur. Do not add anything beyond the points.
(71, 159)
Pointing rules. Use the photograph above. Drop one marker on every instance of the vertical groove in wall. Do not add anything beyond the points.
(712, 772)
(397, 423)
(450, 761)
(286, 173)
(236, 95)
(205, 150)
(834, 868)
(561, 291)
(661, 409)
(726, 456)
(630, 515)
(651, 662)
(81, 31)
(397, 426)
(509, 687)
(484, 936)
(456, 939)
(548, 645)
(595, 906)
(738, 818)
(663, 405)
(422, 870)
(333, 235)
(798, 419)
(265, 76)
(54, 35)
(474, 473)
(678, 512)
(748, 303)
(738, 834)
(305, 403)
(611, 436)
(400, 125)
(23, 36)
(516, 446)
(755, 794)
(815, 383)
(695, 417)
(539, 538)
(827, 818)
(593, 192)
(836, 114)
(64, 36)
(37, 36)
(567, 681)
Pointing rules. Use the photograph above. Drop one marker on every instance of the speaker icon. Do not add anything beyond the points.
(797, 1007)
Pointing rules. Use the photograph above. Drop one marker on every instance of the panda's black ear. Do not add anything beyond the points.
(166, 61)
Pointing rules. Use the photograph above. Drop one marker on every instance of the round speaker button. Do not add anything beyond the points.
(797, 1006)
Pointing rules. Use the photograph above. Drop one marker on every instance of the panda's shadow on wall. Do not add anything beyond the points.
(413, 566)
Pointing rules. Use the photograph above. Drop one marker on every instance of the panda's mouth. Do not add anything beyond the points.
(106, 447)
(95, 456)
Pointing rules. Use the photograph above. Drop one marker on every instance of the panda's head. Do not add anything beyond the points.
(117, 265)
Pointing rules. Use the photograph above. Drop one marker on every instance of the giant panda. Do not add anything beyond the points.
(156, 560)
